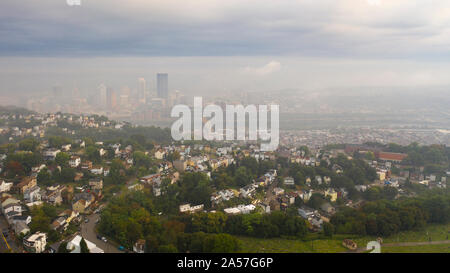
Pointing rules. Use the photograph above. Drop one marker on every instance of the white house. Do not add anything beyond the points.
(74, 246)
(51, 153)
(66, 147)
(74, 161)
(35, 242)
(5, 187)
(289, 181)
(32, 194)
(98, 170)
(189, 208)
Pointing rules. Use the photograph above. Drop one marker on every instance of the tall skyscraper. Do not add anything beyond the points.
(162, 88)
(111, 98)
(142, 90)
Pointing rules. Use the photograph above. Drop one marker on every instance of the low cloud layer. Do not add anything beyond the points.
(326, 28)
(266, 69)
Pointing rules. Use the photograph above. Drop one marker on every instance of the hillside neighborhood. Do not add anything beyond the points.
(54, 180)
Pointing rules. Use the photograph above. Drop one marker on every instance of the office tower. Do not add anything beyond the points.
(142, 90)
(162, 88)
(111, 98)
(102, 94)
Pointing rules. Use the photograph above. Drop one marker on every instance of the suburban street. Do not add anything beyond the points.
(88, 232)
(7, 243)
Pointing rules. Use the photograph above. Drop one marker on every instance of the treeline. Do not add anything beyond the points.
(242, 173)
(385, 218)
(132, 216)
(150, 133)
(275, 224)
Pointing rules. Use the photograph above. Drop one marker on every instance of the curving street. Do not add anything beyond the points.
(88, 232)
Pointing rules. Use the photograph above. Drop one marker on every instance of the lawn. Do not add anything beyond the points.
(279, 245)
(436, 232)
(316, 244)
(445, 248)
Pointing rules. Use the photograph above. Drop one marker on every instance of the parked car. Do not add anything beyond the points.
(121, 248)
(99, 237)
(86, 220)
(104, 239)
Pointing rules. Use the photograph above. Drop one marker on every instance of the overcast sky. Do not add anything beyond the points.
(257, 43)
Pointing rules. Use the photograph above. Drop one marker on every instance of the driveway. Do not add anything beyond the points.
(88, 232)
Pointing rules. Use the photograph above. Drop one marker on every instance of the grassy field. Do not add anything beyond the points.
(315, 244)
(445, 248)
(436, 232)
(278, 245)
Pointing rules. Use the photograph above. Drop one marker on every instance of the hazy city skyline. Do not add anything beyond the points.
(221, 46)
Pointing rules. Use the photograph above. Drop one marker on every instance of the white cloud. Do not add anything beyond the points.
(266, 69)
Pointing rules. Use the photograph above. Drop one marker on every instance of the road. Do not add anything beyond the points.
(7, 243)
(269, 193)
(88, 232)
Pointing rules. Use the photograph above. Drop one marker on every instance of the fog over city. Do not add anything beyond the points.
(180, 128)
(313, 53)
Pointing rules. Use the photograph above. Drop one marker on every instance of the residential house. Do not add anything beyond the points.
(35, 242)
(54, 195)
(66, 147)
(7, 201)
(74, 245)
(361, 188)
(26, 183)
(60, 223)
(248, 190)
(86, 165)
(289, 181)
(21, 218)
(159, 154)
(136, 187)
(21, 228)
(97, 170)
(82, 201)
(32, 194)
(306, 212)
(74, 161)
(332, 193)
(139, 246)
(151, 178)
(306, 195)
(50, 154)
(96, 183)
(278, 191)
(190, 209)
(5, 187)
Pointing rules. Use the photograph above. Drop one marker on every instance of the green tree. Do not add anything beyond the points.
(83, 246)
(62, 159)
(44, 177)
(328, 229)
(62, 248)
